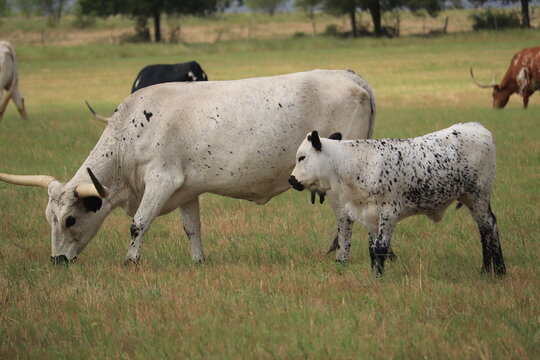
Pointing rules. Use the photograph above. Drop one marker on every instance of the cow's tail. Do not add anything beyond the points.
(372, 103)
(96, 115)
(373, 108)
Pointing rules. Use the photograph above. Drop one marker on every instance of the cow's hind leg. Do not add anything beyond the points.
(192, 227)
(155, 196)
(19, 102)
(489, 236)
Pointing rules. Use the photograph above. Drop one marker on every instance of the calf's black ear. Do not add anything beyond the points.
(315, 141)
(335, 136)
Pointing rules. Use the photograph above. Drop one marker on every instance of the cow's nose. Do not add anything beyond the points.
(295, 183)
(61, 260)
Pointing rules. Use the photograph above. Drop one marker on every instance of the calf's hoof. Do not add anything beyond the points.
(391, 256)
(500, 270)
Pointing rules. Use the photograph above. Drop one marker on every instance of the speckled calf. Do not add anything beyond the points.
(380, 182)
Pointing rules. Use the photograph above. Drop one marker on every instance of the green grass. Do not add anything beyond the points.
(268, 290)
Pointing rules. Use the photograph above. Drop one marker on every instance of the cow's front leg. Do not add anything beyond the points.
(344, 229)
(379, 246)
(192, 227)
(155, 197)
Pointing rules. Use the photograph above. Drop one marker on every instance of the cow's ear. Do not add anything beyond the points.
(335, 136)
(92, 203)
(315, 141)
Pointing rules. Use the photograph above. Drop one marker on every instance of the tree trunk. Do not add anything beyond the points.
(375, 11)
(141, 31)
(525, 20)
(353, 22)
(157, 27)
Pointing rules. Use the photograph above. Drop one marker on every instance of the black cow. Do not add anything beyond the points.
(163, 73)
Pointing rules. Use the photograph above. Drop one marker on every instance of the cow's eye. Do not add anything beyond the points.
(301, 158)
(70, 221)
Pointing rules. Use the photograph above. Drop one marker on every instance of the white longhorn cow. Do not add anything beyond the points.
(9, 79)
(167, 144)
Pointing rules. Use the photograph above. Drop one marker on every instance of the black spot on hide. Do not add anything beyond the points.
(134, 231)
(92, 203)
(148, 115)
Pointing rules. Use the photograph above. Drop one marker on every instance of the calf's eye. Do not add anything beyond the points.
(70, 221)
(301, 158)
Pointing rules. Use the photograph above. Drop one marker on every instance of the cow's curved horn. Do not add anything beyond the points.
(485, 86)
(94, 189)
(7, 97)
(96, 115)
(28, 180)
(86, 190)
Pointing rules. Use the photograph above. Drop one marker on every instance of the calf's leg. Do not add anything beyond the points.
(489, 236)
(379, 245)
(192, 227)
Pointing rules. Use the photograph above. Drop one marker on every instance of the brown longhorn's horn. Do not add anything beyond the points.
(485, 86)
(5, 100)
(96, 115)
(28, 180)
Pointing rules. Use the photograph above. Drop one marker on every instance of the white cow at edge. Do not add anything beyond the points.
(167, 144)
(9, 80)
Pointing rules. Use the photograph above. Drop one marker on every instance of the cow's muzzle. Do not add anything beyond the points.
(297, 185)
(61, 260)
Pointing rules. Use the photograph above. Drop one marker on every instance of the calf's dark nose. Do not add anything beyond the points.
(295, 183)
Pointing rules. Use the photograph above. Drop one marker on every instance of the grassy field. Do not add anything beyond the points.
(267, 289)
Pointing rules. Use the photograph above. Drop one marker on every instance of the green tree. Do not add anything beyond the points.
(4, 7)
(525, 18)
(142, 10)
(269, 6)
(377, 7)
(343, 7)
(53, 9)
(309, 7)
(24, 7)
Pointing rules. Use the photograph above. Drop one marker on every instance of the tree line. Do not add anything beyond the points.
(144, 11)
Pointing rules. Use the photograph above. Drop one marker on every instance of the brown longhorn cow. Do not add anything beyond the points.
(522, 77)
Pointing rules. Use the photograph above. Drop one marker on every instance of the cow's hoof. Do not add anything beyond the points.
(132, 262)
(198, 261)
